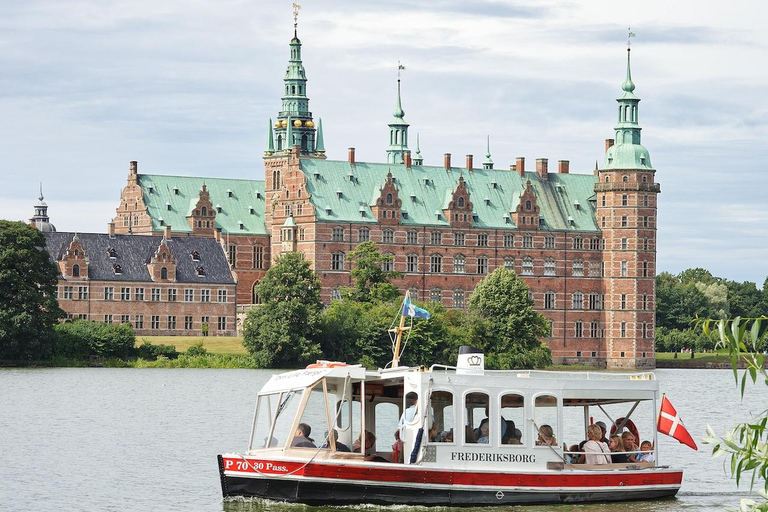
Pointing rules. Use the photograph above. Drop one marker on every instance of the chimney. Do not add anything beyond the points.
(351, 156)
(469, 162)
(608, 143)
(542, 165)
(167, 232)
(520, 165)
(447, 161)
(111, 229)
(407, 158)
(217, 235)
(513, 168)
(134, 167)
(563, 166)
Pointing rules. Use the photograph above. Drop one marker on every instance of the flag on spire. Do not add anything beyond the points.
(671, 424)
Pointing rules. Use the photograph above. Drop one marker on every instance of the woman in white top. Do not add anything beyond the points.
(595, 451)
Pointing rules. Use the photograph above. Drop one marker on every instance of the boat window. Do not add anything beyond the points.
(387, 415)
(275, 413)
(441, 417)
(348, 421)
(513, 416)
(315, 416)
(477, 428)
(545, 420)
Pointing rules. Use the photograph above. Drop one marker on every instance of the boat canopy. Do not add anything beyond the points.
(307, 377)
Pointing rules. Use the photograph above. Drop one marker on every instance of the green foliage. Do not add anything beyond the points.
(356, 332)
(504, 324)
(673, 340)
(280, 333)
(28, 305)
(83, 338)
(745, 445)
(197, 349)
(149, 351)
(372, 282)
(204, 361)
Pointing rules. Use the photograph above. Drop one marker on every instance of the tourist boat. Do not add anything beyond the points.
(439, 414)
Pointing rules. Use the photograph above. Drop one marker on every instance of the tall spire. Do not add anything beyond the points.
(628, 151)
(398, 129)
(270, 140)
(418, 159)
(488, 163)
(320, 147)
(289, 138)
(41, 220)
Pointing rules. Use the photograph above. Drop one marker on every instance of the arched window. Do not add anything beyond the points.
(458, 264)
(527, 205)
(461, 202)
(436, 263)
(255, 294)
(279, 142)
(293, 89)
(163, 273)
(625, 178)
(476, 414)
(204, 211)
(545, 415)
(76, 271)
(304, 143)
(389, 198)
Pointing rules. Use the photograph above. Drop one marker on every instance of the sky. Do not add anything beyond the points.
(188, 88)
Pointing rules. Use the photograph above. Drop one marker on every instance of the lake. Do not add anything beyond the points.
(102, 439)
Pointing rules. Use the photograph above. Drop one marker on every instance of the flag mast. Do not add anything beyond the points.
(399, 330)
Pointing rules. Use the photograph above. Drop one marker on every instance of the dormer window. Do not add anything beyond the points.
(168, 206)
(461, 202)
(150, 189)
(162, 222)
(117, 269)
(528, 205)
(200, 271)
(112, 253)
(163, 273)
(218, 208)
(494, 184)
(625, 178)
(229, 193)
(75, 269)
(195, 256)
(258, 195)
(175, 191)
(339, 193)
(389, 198)
(240, 224)
(487, 201)
(204, 211)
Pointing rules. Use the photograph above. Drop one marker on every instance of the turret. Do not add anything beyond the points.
(398, 130)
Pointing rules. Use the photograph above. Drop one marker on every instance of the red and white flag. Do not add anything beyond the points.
(670, 424)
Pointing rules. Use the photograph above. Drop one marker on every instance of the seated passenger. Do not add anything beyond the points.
(434, 433)
(334, 436)
(595, 451)
(484, 432)
(469, 435)
(301, 438)
(509, 432)
(448, 436)
(630, 445)
(647, 455)
(546, 436)
(397, 449)
(370, 447)
(603, 429)
(616, 445)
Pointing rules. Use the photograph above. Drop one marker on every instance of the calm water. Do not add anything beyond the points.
(102, 439)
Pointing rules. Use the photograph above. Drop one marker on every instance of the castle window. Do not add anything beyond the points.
(645, 200)
(624, 244)
(435, 238)
(645, 178)
(337, 261)
(412, 237)
(200, 271)
(625, 179)
(458, 264)
(163, 273)
(594, 244)
(293, 89)
(549, 300)
(602, 221)
(624, 200)
(509, 240)
(578, 267)
(594, 330)
(75, 269)
(482, 240)
(623, 333)
(482, 265)
(527, 242)
(645, 244)
(644, 330)
(436, 295)
(436, 263)
(578, 243)
(527, 267)
(602, 199)
(623, 221)
(195, 256)
(549, 242)
(509, 263)
(258, 256)
(528, 205)
(458, 299)
(645, 269)
(608, 178)
(461, 202)
(578, 300)
(337, 234)
(458, 239)
(623, 269)
(388, 264)
(389, 198)
(204, 211)
(412, 263)
(645, 302)
(363, 235)
(579, 329)
(594, 301)
(387, 236)
(549, 267)
(112, 253)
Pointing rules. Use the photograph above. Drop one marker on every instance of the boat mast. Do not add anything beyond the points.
(399, 330)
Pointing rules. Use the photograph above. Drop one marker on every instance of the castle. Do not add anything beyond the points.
(584, 243)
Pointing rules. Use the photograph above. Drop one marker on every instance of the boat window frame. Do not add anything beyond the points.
(431, 418)
(465, 417)
(308, 390)
(526, 416)
(273, 419)
(559, 415)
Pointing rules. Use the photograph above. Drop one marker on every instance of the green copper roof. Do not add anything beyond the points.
(181, 194)
(424, 191)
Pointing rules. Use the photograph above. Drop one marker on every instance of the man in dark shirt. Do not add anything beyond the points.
(301, 439)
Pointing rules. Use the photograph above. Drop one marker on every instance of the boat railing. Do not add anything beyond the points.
(559, 374)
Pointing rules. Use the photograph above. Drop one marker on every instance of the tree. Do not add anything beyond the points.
(504, 324)
(280, 333)
(28, 305)
(677, 304)
(372, 282)
(746, 444)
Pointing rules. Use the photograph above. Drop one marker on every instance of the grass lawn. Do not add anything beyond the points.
(720, 356)
(213, 344)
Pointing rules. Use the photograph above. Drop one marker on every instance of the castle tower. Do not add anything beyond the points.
(626, 212)
(398, 131)
(40, 219)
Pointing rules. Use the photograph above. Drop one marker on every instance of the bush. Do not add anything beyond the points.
(197, 349)
(149, 351)
(83, 338)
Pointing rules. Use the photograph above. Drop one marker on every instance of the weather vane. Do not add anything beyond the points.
(296, 9)
(400, 67)
(630, 35)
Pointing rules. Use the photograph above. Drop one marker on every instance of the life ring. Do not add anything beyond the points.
(326, 364)
(629, 425)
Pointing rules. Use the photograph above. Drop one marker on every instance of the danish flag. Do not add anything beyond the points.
(670, 424)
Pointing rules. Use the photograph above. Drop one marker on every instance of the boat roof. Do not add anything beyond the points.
(308, 376)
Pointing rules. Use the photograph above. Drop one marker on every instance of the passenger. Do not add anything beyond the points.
(630, 445)
(546, 436)
(595, 451)
(397, 449)
(616, 445)
(340, 447)
(484, 432)
(647, 455)
(449, 436)
(469, 435)
(574, 453)
(434, 433)
(370, 447)
(479, 434)
(301, 438)
(604, 430)
(408, 416)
